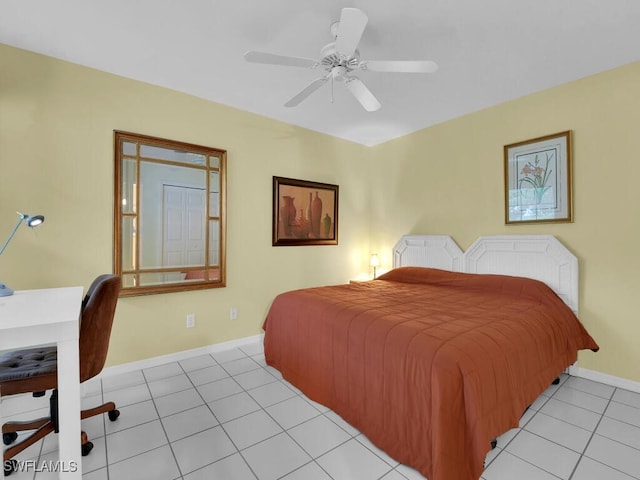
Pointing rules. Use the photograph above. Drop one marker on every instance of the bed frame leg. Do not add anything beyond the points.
(556, 381)
(494, 443)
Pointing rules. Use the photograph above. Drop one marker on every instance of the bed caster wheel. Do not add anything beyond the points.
(556, 381)
(86, 448)
(9, 438)
(113, 415)
(494, 443)
(10, 466)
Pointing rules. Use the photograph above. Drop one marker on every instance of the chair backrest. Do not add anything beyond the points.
(98, 280)
(98, 310)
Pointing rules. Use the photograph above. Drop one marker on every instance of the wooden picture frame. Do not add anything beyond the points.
(304, 212)
(538, 180)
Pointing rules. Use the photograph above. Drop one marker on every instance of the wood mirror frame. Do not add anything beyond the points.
(169, 215)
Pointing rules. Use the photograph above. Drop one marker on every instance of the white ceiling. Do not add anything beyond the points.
(488, 51)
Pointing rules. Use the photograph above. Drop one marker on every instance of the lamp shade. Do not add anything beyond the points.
(34, 220)
(374, 260)
(31, 221)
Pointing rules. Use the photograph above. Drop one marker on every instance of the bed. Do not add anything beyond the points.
(440, 355)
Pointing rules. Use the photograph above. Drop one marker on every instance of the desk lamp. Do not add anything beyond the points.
(374, 263)
(31, 221)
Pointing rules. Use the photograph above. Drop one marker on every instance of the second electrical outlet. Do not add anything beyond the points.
(234, 313)
(191, 320)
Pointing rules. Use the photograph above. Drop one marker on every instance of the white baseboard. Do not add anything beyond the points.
(177, 356)
(605, 378)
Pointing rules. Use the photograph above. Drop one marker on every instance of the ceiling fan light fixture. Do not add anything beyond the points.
(339, 73)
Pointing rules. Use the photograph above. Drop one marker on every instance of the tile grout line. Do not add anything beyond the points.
(134, 426)
(601, 416)
(206, 404)
(173, 453)
(104, 427)
(593, 433)
(286, 430)
(521, 428)
(221, 424)
(320, 414)
(264, 409)
(298, 394)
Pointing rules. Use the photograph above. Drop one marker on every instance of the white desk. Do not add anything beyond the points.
(36, 317)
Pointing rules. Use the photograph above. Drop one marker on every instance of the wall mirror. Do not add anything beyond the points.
(170, 215)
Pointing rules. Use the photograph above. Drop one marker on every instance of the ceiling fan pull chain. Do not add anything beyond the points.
(331, 88)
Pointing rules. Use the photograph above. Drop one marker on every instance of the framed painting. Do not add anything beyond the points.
(304, 213)
(538, 183)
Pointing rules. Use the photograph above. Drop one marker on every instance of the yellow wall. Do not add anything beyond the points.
(448, 179)
(56, 158)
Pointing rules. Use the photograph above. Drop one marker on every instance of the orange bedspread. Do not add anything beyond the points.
(430, 365)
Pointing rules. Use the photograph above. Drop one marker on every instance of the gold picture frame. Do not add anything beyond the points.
(538, 180)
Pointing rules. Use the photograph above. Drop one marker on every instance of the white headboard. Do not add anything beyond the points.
(435, 251)
(541, 257)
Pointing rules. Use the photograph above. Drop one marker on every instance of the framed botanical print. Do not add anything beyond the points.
(538, 183)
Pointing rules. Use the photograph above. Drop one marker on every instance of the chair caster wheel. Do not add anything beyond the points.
(113, 415)
(10, 466)
(9, 438)
(494, 444)
(86, 448)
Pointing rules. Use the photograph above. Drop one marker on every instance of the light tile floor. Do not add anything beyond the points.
(229, 416)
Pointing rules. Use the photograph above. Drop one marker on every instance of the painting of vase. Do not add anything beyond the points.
(287, 214)
(305, 213)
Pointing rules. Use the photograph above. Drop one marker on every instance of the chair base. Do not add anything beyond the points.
(44, 426)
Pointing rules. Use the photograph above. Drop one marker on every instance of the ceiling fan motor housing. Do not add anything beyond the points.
(331, 60)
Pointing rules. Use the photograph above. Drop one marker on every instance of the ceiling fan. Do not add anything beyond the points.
(340, 58)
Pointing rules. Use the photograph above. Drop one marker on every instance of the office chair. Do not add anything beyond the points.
(34, 370)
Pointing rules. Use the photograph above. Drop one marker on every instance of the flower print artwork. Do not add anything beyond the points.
(538, 180)
(535, 177)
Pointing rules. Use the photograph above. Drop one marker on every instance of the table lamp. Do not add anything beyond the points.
(31, 221)
(374, 263)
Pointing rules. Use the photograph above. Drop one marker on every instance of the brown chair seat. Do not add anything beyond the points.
(19, 370)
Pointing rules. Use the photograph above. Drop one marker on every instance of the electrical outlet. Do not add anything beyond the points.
(191, 320)
(234, 313)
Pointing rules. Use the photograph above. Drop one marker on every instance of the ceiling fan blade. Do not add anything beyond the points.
(362, 94)
(350, 28)
(273, 59)
(308, 90)
(400, 66)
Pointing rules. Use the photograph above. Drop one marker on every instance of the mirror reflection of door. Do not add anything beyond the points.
(184, 226)
(170, 222)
